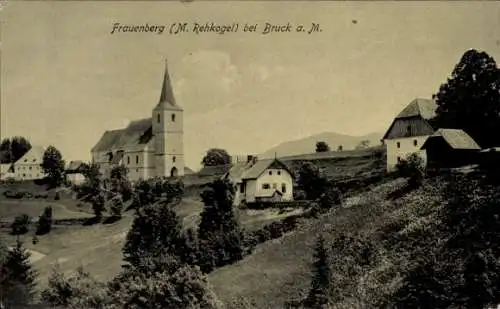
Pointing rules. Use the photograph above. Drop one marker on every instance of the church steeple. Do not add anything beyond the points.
(167, 99)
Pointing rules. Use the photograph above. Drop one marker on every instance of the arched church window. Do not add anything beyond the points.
(173, 159)
(158, 118)
(173, 117)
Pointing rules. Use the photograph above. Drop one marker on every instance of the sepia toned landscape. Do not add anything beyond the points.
(250, 163)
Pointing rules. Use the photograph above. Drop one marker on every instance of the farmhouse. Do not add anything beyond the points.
(28, 167)
(268, 180)
(75, 172)
(150, 147)
(449, 148)
(409, 131)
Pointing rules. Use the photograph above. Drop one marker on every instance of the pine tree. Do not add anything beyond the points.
(319, 293)
(219, 232)
(17, 277)
(45, 222)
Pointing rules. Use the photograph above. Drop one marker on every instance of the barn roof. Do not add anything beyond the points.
(261, 166)
(419, 107)
(136, 133)
(216, 170)
(456, 138)
(413, 120)
(236, 171)
(32, 156)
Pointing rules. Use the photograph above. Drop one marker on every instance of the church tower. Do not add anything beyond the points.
(168, 132)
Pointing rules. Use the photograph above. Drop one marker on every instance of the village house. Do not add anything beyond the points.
(450, 148)
(150, 147)
(28, 167)
(409, 131)
(75, 172)
(268, 180)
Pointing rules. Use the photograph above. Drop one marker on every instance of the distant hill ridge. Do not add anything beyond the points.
(307, 145)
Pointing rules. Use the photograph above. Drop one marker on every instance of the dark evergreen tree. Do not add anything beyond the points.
(219, 233)
(470, 98)
(17, 278)
(21, 224)
(320, 292)
(45, 222)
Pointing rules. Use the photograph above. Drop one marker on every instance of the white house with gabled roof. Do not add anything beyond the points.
(268, 180)
(409, 131)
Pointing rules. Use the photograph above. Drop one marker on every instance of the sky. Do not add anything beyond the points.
(65, 79)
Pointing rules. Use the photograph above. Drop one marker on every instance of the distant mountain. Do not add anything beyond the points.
(308, 144)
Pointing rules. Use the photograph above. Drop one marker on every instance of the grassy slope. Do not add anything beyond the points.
(280, 270)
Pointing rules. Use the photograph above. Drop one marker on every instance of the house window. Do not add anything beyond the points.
(137, 170)
(270, 172)
(399, 159)
(25, 160)
(266, 186)
(275, 186)
(30, 167)
(34, 160)
(415, 142)
(242, 188)
(128, 159)
(24, 175)
(283, 187)
(137, 159)
(173, 117)
(279, 172)
(158, 118)
(398, 144)
(173, 159)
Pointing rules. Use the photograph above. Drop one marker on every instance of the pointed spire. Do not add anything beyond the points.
(167, 98)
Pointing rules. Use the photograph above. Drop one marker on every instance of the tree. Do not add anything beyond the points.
(116, 206)
(312, 181)
(45, 222)
(332, 197)
(18, 278)
(13, 149)
(120, 183)
(319, 293)
(363, 144)
(183, 287)
(470, 99)
(322, 147)
(340, 148)
(219, 233)
(99, 205)
(155, 232)
(21, 224)
(53, 165)
(216, 156)
(77, 291)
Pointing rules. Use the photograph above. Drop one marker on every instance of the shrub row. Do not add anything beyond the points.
(24, 194)
(275, 230)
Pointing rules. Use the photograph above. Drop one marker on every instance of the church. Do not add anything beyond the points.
(150, 147)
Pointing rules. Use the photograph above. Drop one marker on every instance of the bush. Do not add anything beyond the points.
(21, 224)
(413, 168)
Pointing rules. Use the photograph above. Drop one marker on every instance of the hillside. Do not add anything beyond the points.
(308, 144)
(279, 270)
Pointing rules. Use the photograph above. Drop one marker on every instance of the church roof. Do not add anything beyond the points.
(167, 98)
(136, 133)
